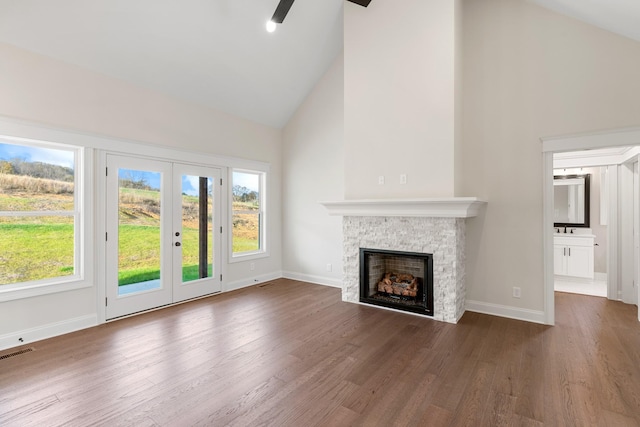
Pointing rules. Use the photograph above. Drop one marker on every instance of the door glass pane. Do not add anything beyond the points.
(197, 227)
(138, 231)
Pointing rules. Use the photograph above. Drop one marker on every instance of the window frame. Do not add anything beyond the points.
(263, 251)
(83, 159)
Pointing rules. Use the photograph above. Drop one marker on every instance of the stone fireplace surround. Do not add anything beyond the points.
(434, 226)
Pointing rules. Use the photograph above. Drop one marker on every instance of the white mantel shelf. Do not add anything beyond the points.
(452, 207)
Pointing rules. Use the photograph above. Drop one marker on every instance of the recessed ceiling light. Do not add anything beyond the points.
(271, 26)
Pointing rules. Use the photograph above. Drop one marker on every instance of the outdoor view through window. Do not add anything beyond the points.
(40, 216)
(38, 213)
(247, 212)
(139, 225)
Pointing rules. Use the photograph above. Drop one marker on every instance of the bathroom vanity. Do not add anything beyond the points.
(573, 255)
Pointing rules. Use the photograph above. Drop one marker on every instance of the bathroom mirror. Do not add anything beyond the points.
(571, 200)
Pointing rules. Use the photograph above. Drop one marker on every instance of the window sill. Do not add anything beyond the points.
(248, 256)
(11, 293)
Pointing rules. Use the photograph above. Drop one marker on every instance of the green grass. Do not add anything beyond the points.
(137, 275)
(45, 250)
(192, 272)
(23, 203)
(141, 194)
(42, 247)
(35, 251)
(139, 254)
(189, 273)
(241, 244)
(138, 248)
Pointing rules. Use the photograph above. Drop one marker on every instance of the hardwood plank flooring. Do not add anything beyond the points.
(290, 353)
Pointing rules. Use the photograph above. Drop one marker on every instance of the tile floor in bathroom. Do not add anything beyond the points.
(595, 287)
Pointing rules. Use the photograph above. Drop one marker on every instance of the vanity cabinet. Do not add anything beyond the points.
(573, 255)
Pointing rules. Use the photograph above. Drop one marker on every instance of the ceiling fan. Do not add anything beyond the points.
(285, 5)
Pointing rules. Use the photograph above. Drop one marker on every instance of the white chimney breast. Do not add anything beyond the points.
(400, 87)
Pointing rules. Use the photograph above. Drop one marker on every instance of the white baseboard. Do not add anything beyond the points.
(47, 331)
(527, 315)
(601, 277)
(318, 280)
(256, 280)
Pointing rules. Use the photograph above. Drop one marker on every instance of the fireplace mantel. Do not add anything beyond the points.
(452, 207)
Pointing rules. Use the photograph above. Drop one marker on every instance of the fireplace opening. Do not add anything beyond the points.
(400, 280)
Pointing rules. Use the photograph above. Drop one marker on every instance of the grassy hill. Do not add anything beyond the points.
(34, 248)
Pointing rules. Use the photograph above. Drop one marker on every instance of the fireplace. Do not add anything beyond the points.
(416, 226)
(395, 279)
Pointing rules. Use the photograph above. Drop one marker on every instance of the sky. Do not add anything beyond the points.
(248, 180)
(190, 183)
(65, 158)
(34, 154)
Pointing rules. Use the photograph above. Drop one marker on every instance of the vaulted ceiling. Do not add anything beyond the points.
(217, 53)
(618, 16)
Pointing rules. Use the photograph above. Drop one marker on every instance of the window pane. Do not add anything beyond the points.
(138, 230)
(35, 248)
(246, 232)
(197, 227)
(246, 212)
(36, 179)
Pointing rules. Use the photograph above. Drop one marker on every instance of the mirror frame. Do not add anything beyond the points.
(587, 201)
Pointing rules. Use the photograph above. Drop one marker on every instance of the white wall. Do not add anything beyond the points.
(399, 98)
(313, 171)
(529, 73)
(48, 92)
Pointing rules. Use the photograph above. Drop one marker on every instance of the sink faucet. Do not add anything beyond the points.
(565, 229)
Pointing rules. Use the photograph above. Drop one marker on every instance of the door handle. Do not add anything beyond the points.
(178, 244)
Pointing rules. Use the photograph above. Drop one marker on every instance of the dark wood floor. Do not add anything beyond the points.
(292, 354)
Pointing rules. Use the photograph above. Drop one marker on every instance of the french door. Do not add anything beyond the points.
(163, 238)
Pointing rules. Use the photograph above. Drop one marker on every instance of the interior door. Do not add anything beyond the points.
(636, 232)
(559, 263)
(163, 233)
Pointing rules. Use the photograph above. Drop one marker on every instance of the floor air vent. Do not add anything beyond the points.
(17, 353)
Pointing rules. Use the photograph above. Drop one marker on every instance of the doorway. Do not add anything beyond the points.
(616, 271)
(163, 239)
(580, 224)
(636, 232)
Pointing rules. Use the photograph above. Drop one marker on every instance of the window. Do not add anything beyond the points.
(247, 217)
(40, 215)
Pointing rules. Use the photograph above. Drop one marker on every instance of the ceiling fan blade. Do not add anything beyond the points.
(364, 3)
(282, 10)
